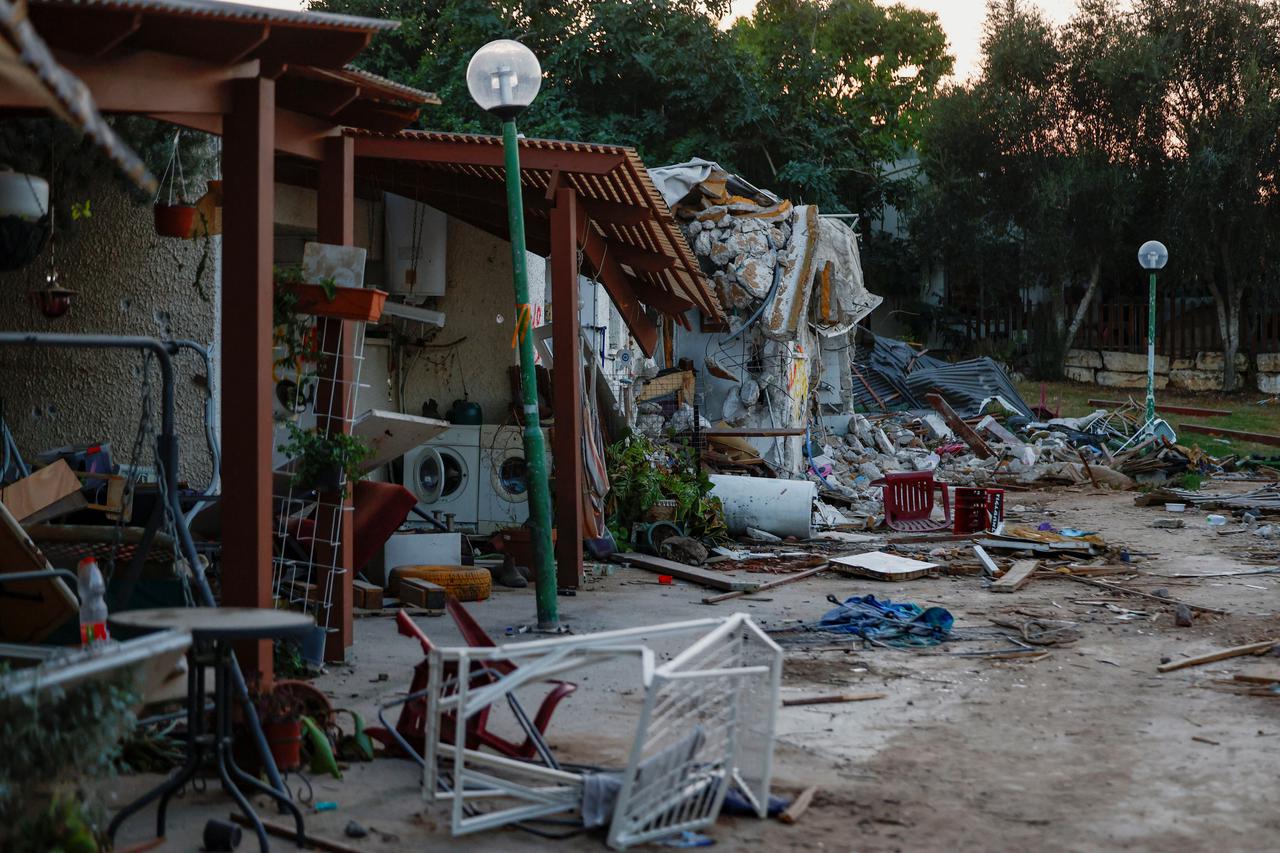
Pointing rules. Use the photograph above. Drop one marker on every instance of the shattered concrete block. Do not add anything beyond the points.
(1079, 374)
(1112, 379)
(1083, 358)
(871, 470)
(1216, 361)
(702, 244)
(1269, 383)
(720, 254)
(1200, 380)
(1132, 362)
(1269, 362)
(882, 442)
(937, 427)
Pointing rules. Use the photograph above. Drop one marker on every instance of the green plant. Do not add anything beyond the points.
(288, 662)
(642, 473)
(318, 454)
(51, 738)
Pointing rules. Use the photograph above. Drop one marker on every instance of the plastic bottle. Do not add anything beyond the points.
(93, 604)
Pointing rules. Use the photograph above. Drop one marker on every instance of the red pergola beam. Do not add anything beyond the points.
(566, 377)
(444, 152)
(620, 286)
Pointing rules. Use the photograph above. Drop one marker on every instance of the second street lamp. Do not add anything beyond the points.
(1152, 256)
(503, 78)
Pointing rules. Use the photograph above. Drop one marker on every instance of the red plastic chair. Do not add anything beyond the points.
(908, 502)
(412, 724)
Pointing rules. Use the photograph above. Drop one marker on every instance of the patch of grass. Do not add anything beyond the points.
(1072, 398)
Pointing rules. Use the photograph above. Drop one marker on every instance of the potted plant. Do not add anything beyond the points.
(324, 461)
(280, 714)
(294, 333)
(326, 299)
(177, 217)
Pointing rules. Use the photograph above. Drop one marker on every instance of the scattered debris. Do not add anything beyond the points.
(1236, 651)
(832, 700)
(799, 806)
(882, 566)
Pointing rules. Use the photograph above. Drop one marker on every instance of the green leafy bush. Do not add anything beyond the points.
(642, 473)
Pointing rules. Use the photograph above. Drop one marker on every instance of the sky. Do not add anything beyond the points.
(961, 19)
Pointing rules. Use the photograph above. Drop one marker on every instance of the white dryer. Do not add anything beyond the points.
(445, 474)
(504, 485)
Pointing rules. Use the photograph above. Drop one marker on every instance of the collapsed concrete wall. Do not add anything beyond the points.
(792, 285)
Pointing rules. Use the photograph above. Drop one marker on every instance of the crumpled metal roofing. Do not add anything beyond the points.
(901, 376)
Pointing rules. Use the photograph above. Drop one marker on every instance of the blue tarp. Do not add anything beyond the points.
(900, 624)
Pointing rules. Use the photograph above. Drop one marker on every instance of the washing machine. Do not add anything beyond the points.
(504, 485)
(445, 474)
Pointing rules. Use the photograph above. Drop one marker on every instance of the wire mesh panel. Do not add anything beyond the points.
(707, 722)
(690, 737)
(307, 566)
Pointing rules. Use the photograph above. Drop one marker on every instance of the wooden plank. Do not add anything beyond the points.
(29, 610)
(1171, 602)
(834, 699)
(1221, 654)
(1176, 410)
(693, 574)
(959, 427)
(716, 599)
(1259, 675)
(1017, 576)
(1255, 437)
(798, 806)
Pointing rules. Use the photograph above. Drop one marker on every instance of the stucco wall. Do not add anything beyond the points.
(129, 282)
(478, 292)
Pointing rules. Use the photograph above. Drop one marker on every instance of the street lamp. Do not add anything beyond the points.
(503, 78)
(1152, 256)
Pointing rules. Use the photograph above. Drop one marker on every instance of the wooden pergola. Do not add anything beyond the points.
(275, 84)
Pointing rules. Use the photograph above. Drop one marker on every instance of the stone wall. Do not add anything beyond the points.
(1202, 373)
(128, 282)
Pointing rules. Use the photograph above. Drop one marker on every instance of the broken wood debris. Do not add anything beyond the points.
(692, 574)
(1222, 654)
(834, 699)
(799, 805)
(716, 599)
(1016, 577)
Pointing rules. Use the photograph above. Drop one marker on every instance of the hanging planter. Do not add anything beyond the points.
(175, 220)
(175, 217)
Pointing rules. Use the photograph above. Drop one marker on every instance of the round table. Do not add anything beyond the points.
(212, 631)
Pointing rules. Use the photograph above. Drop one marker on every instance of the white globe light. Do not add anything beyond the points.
(1153, 255)
(504, 77)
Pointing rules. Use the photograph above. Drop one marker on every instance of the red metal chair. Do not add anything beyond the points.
(411, 726)
(908, 502)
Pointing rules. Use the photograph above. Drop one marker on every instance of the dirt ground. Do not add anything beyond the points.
(1087, 748)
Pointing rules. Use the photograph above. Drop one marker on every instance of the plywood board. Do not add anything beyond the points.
(686, 572)
(30, 610)
(43, 488)
(391, 435)
(881, 566)
(1016, 578)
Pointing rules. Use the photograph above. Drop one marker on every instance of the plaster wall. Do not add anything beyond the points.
(479, 308)
(129, 282)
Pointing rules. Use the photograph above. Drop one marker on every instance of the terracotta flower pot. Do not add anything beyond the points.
(284, 738)
(175, 220)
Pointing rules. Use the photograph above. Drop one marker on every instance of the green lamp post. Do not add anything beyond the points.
(503, 78)
(1152, 256)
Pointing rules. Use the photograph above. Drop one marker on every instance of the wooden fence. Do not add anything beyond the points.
(1185, 325)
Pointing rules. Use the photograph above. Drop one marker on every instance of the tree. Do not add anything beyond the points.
(1220, 95)
(808, 97)
(846, 86)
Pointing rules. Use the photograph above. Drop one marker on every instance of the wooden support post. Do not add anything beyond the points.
(567, 388)
(335, 397)
(248, 168)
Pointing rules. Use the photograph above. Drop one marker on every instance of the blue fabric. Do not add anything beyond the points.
(901, 624)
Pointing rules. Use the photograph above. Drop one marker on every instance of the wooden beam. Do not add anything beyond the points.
(618, 214)
(566, 377)
(1254, 437)
(1223, 654)
(444, 152)
(335, 394)
(621, 289)
(149, 82)
(642, 260)
(1177, 410)
(248, 169)
(693, 574)
(1016, 577)
(314, 97)
(957, 424)
(664, 300)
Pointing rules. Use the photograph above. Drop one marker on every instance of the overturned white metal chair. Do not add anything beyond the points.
(706, 724)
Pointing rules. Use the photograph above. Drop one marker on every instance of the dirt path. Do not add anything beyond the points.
(1088, 748)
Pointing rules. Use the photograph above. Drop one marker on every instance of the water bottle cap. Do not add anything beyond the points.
(87, 561)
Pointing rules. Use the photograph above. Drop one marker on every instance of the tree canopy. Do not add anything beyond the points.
(808, 97)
